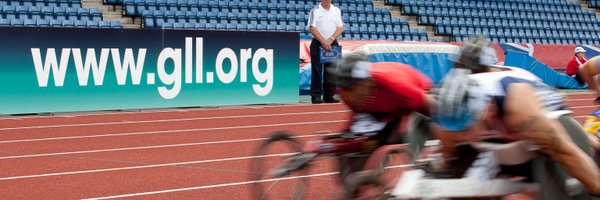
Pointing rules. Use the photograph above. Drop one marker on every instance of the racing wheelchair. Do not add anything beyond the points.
(411, 170)
(281, 164)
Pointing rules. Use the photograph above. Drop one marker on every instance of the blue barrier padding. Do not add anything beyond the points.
(434, 65)
(591, 51)
(305, 76)
(547, 74)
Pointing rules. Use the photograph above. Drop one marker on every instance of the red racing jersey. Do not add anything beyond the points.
(400, 89)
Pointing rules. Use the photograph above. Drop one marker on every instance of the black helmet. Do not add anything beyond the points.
(351, 69)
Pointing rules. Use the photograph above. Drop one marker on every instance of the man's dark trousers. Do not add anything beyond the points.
(317, 89)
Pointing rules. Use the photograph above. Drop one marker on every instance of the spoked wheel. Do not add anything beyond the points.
(279, 169)
(379, 175)
(365, 185)
(393, 162)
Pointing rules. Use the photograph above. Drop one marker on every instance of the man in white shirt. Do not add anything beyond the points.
(325, 24)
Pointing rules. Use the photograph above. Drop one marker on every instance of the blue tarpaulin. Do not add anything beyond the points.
(547, 74)
(434, 65)
(433, 59)
(305, 76)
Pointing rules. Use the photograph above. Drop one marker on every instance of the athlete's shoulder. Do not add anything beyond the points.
(385, 67)
(499, 72)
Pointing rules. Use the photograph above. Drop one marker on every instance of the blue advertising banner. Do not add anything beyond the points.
(76, 69)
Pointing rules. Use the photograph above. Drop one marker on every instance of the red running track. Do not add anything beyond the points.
(162, 154)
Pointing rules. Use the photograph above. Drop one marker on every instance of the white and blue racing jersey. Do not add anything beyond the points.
(495, 85)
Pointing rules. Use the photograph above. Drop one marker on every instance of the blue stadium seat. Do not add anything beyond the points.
(29, 22)
(10, 9)
(17, 22)
(55, 23)
(81, 24)
(104, 24)
(47, 11)
(116, 24)
(22, 10)
(60, 13)
(178, 25)
(68, 23)
(189, 25)
(43, 22)
(71, 11)
(199, 26)
(5, 22)
(211, 26)
(93, 24)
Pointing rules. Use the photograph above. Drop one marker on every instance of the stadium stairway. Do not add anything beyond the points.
(587, 5)
(112, 13)
(412, 21)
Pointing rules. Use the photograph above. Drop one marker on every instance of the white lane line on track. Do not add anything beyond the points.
(574, 107)
(223, 185)
(193, 119)
(169, 131)
(142, 147)
(127, 112)
(147, 147)
(211, 186)
(138, 167)
(171, 120)
(590, 100)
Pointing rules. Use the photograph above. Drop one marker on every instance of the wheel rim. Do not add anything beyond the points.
(271, 155)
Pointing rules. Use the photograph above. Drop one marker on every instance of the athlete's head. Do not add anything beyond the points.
(353, 77)
(352, 69)
(476, 55)
(460, 102)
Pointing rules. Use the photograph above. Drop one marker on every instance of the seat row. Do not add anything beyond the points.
(594, 3)
(496, 14)
(50, 3)
(136, 9)
(59, 13)
(487, 3)
(60, 23)
(536, 41)
(518, 24)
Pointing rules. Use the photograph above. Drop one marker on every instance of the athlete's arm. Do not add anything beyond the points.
(594, 141)
(524, 116)
(588, 72)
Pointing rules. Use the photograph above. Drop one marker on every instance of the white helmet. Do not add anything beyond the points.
(460, 101)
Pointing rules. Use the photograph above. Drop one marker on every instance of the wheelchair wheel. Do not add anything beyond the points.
(365, 185)
(389, 162)
(278, 169)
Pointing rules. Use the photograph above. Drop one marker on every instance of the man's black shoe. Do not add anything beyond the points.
(316, 100)
(330, 99)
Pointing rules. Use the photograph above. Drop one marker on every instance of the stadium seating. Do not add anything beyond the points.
(529, 21)
(54, 13)
(362, 19)
(594, 3)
